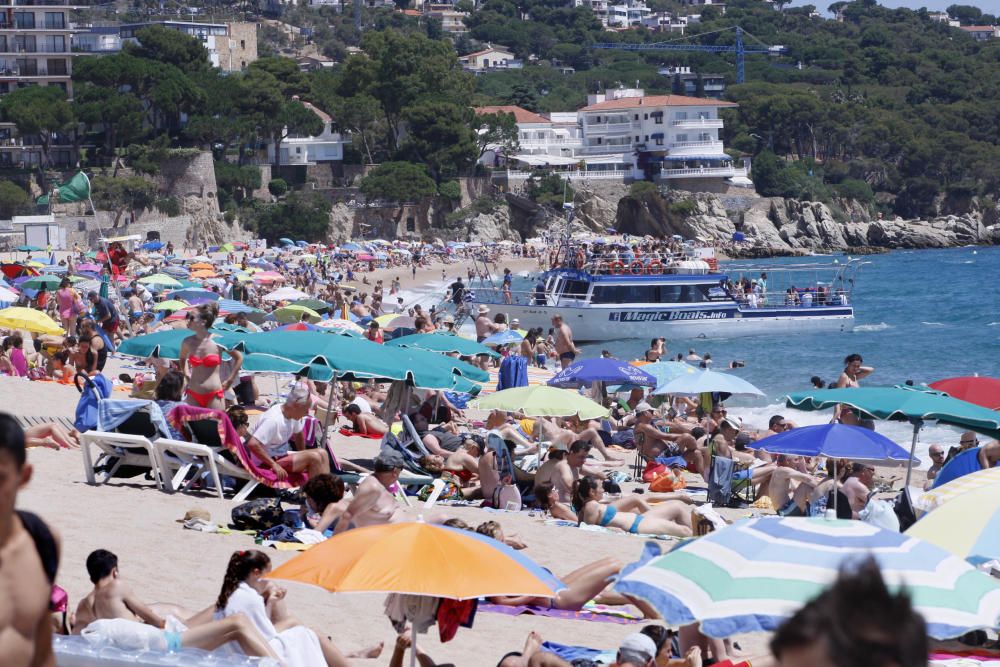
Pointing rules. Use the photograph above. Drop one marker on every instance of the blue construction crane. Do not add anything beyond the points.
(739, 49)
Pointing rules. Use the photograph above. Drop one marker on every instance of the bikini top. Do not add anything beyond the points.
(208, 361)
(610, 512)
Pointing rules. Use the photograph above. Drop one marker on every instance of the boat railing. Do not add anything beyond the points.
(651, 264)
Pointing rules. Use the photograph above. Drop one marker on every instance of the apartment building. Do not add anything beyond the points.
(35, 44)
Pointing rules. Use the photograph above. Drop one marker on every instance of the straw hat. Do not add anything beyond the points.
(483, 309)
(195, 514)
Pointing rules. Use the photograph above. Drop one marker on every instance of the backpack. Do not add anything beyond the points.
(506, 494)
(91, 393)
(258, 514)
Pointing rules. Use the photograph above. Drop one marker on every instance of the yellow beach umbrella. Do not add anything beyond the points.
(967, 525)
(294, 313)
(29, 319)
(172, 304)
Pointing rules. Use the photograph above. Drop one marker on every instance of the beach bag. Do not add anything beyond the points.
(91, 391)
(667, 482)
(259, 514)
(880, 513)
(652, 471)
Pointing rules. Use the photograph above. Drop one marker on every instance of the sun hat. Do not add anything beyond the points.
(196, 514)
(643, 407)
(483, 308)
(732, 423)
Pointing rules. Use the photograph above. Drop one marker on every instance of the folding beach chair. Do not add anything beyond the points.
(417, 476)
(506, 494)
(206, 453)
(123, 442)
(413, 438)
(729, 484)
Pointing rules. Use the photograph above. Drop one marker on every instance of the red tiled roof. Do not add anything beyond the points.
(492, 49)
(520, 115)
(657, 101)
(410, 12)
(979, 28)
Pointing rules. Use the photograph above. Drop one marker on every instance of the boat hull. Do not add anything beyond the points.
(620, 322)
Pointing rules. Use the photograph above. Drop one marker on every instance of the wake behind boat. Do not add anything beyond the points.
(609, 292)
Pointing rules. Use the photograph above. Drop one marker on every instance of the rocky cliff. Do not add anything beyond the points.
(787, 226)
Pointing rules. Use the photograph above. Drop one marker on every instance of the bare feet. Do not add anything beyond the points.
(369, 653)
(532, 644)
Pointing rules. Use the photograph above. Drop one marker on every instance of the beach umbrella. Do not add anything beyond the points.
(286, 241)
(542, 401)
(298, 326)
(6, 296)
(268, 277)
(753, 575)
(835, 441)
(167, 344)
(965, 484)
(586, 372)
(198, 266)
(87, 266)
(161, 279)
(227, 247)
(201, 274)
(706, 381)
(983, 391)
(966, 525)
(231, 306)
(152, 245)
(340, 325)
(365, 257)
(903, 403)
(295, 313)
(37, 282)
(313, 304)
(171, 304)
(286, 294)
(28, 248)
(444, 343)
(506, 337)
(28, 319)
(264, 363)
(194, 294)
(665, 371)
(352, 247)
(406, 558)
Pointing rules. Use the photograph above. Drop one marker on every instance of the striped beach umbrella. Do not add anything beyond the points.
(751, 576)
(968, 525)
(957, 487)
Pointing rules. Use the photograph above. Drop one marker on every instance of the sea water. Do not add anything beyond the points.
(920, 315)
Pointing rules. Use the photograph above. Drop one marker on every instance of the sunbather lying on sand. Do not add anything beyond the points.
(52, 436)
(631, 513)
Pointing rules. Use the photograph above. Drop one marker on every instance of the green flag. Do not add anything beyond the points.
(75, 189)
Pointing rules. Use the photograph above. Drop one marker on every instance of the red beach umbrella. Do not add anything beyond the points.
(984, 391)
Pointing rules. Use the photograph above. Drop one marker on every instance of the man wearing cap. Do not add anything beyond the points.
(636, 650)
(373, 504)
(484, 326)
(655, 444)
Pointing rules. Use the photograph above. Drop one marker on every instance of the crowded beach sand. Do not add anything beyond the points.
(166, 563)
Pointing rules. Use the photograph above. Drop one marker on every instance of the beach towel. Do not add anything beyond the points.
(598, 614)
(349, 432)
(230, 439)
(580, 654)
(513, 373)
(112, 413)
(963, 464)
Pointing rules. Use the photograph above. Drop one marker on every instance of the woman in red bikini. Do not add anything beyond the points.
(201, 358)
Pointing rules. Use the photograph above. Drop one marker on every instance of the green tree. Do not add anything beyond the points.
(549, 190)
(498, 132)
(126, 194)
(450, 190)
(967, 14)
(170, 47)
(278, 187)
(295, 119)
(38, 110)
(13, 200)
(304, 215)
(398, 182)
(440, 136)
(235, 182)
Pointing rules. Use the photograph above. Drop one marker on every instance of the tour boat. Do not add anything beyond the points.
(681, 297)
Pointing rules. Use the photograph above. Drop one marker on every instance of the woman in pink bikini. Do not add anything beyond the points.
(66, 302)
(201, 358)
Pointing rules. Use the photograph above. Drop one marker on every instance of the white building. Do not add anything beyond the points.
(490, 58)
(327, 146)
(982, 32)
(942, 17)
(631, 13)
(626, 135)
(665, 22)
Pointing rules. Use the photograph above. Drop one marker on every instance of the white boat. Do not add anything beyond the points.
(681, 298)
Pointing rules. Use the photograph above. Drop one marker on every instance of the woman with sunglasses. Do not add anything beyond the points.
(201, 359)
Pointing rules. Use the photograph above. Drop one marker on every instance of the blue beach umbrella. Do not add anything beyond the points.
(507, 337)
(192, 294)
(753, 575)
(706, 381)
(836, 441)
(585, 372)
(152, 245)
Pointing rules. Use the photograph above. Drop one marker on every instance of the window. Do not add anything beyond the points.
(636, 117)
(637, 138)
(658, 119)
(645, 116)
(575, 289)
(681, 115)
(56, 66)
(704, 136)
(55, 21)
(411, 224)
(27, 67)
(25, 43)
(646, 138)
(681, 138)
(659, 140)
(24, 20)
(3, 43)
(54, 44)
(243, 43)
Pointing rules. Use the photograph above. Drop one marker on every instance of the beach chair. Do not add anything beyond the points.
(413, 438)
(205, 454)
(179, 458)
(417, 475)
(507, 494)
(129, 444)
(729, 483)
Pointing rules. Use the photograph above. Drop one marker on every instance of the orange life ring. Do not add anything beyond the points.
(655, 268)
(617, 268)
(713, 263)
(636, 268)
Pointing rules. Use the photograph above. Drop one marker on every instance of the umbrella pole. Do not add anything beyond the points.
(835, 493)
(329, 409)
(917, 423)
(413, 647)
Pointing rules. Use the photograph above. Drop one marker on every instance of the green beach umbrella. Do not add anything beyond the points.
(294, 313)
(903, 403)
(444, 343)
(37, 282)
(160, 279)
(28, 248)
(227, 247)
(542, 401)
(265, 363)
(313, 304)
(172, 304)
(167, 344)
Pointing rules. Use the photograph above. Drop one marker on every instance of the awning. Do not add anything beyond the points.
(607, 159)
(656, 113)
(545, 160)
(658, 135)
(698, 157)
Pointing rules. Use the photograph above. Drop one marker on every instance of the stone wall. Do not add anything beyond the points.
(238, 49)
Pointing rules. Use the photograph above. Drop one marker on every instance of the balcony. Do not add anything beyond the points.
(696, 148)
(698, 124)
(550, 142)
(605, 175)
(608, 128)
(704, 172)
(600, 149)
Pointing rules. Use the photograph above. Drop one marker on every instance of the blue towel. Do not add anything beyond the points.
(963, 464)
(459, 400)
(513, 373)
(672, 461)
(571, 653)
(111, 413)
